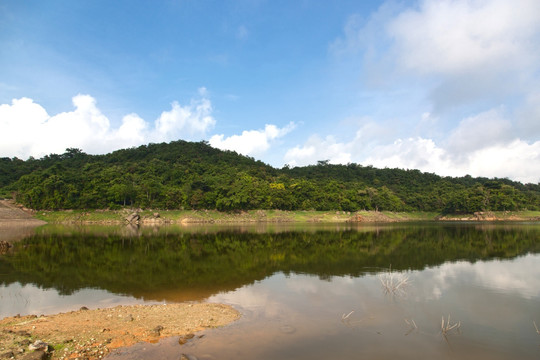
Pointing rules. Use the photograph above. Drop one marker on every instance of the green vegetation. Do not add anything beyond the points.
(186, 175)
(214, 216)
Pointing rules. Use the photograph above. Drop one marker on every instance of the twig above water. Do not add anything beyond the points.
(412, 325)
(447, 327)
(344, 317)
(394, 283)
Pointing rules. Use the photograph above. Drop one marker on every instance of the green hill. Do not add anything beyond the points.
(188, 175)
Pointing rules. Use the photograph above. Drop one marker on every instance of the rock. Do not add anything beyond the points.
(35, 355)
(83, 308)
(127, 318)
(355, 218)
(38, 345)
(133, 218)
(156, 331)
(184, 339)
(188, 357)
(7, 355)
(156, 215)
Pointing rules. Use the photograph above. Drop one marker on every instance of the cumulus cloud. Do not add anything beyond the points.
(528, 117)
(186, 121)
(411, 153)
(481, 145)
(446, 37)
(454, 36)
(476, 132)
(471, 66)
(316, 149)
(26, 129)
(251, 142)
(460, 50)
(517, 159)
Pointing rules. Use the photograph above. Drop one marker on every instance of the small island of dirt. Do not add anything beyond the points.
(92, 334)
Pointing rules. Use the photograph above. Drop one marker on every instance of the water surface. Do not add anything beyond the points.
(305, 292)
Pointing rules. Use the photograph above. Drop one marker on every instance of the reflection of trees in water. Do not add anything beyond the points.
(147, 263)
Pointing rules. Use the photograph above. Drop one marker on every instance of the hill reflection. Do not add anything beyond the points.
(176, 264)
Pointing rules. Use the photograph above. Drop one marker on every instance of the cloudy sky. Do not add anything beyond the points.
(444, 86)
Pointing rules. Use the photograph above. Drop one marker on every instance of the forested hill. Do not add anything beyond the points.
(191, 175)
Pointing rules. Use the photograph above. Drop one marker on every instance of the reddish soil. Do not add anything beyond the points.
(92, 334)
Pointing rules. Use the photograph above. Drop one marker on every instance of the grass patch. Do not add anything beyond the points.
(68, 216)
(298, 216)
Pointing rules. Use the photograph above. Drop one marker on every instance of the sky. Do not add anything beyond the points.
(450, 87)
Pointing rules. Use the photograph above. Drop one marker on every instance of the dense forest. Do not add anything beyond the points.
(193, 175)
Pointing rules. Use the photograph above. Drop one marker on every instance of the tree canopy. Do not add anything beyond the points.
(193, 175)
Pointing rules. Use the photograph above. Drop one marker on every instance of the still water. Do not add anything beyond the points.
(305, 292)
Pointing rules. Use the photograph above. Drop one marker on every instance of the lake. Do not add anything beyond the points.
(367, 291)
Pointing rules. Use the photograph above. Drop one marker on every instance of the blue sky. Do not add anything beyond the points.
(444, 86)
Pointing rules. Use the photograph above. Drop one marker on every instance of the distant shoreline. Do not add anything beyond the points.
(12, 215)
(162, 217)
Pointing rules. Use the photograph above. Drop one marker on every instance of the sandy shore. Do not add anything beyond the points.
(92, 334)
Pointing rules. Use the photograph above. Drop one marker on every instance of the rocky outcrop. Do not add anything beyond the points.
(133, 218)
(356, 218)
(485, 216)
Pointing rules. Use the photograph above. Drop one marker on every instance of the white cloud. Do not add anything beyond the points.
(411, 153)
(479, 131)
(185, 120)
(481, 145)
(459, 51)
(251, 142)
(470, 66)
(19, 126)
(132, 130)
(316, 149)
(26, 129)
(517, 160)
(454, 36)
(528, 117)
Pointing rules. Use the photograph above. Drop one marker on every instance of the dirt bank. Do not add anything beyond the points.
(493, 216)
(11, 214)
(92, 334)
(15, 223)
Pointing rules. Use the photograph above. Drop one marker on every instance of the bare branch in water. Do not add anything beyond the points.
(344, 317)
(447, 327)
(412, 325)
(393, 283)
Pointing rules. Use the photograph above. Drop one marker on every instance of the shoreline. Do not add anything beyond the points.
(93, 334)
(180, 217)
(14, 216)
